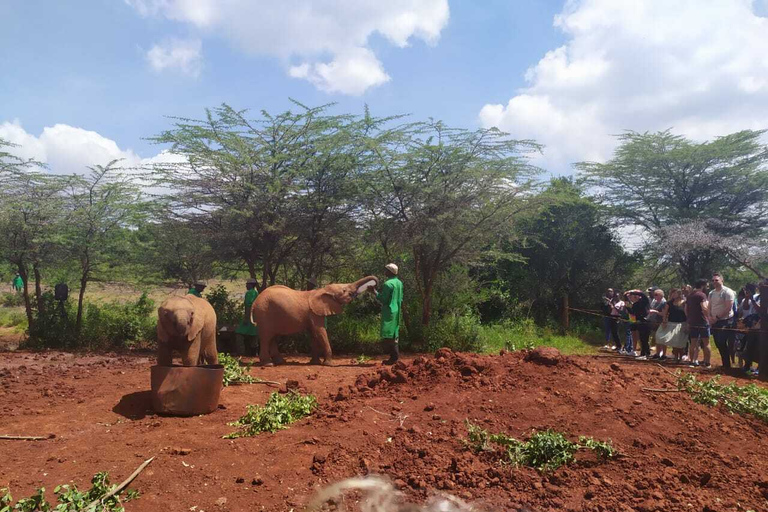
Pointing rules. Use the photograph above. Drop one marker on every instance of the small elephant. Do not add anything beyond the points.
(280, 310)
(188, 325)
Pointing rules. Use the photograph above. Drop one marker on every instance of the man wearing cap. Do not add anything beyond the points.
(197, 289)
(391, 299)
(246, 332)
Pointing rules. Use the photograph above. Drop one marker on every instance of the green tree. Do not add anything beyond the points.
(567, 254)
(658, 180)
(179, 251)
(32, 212)
(102, 204)
(265, 190)
(443, 195)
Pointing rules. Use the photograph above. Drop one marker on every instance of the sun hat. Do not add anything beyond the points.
(391, 267)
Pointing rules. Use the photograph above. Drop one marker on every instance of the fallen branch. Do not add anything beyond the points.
(260, 381)
(27, 438)
(669, 372)
(654, 390)
(120, 487)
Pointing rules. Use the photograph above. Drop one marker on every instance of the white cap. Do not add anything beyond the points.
(391, 267)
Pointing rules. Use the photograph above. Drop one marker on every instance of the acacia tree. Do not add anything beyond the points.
(268, 189)
(180, 252)
(101, 204)
(443, 194)
(658, 180)
(31, 215)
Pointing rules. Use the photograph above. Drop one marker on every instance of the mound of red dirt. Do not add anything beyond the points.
(673, 454)
(406, 422)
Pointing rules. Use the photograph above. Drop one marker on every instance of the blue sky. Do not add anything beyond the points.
(80, 82)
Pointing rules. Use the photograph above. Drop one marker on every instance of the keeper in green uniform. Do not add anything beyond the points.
(391, 299)
(18, 283)
(246, 332)
(197, 289)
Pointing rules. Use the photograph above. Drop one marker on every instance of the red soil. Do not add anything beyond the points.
(406, 423)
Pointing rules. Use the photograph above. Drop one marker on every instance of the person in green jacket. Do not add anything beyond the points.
(246, 332)
(18, 283)
(391, 299)
(197, 289)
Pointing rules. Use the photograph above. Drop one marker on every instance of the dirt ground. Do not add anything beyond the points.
(407, 424)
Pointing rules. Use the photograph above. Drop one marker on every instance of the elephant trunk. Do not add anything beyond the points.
(363, 284)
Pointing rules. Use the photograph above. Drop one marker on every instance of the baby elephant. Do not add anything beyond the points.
(188, 325)
(279, 310)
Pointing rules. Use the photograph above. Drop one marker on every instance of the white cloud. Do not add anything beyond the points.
(69, 150)
(350, 73)
(184, 55)
(699, 67)
(327, 41)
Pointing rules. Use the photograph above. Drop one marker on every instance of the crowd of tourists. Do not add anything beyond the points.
(681, 322)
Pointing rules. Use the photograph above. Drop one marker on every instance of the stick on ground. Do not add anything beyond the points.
(26, 438)
(120, 487)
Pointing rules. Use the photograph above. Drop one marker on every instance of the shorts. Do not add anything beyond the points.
(698, 332)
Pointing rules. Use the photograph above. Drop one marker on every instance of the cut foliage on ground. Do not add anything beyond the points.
(234, 371)
(544, 450)
(750, 399)
(279, 412)
(70, 499)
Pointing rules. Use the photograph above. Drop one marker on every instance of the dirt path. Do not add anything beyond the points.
(677, 455)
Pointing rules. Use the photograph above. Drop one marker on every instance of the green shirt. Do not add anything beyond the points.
(193, 291)
(18, 283)
(246, 328)
(391, 298)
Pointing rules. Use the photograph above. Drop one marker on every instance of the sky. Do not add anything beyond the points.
(85, 82)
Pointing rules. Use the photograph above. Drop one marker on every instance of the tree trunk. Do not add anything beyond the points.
(38, 290)
(25, 293)
(565, 318)
(83, 284)
(763, 340)
(426, 307)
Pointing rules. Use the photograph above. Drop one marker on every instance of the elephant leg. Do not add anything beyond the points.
(164, 354)
(323, 345)
(208, 352)
(265, 341)
(191, 356)
(313, 348)
(274, 352)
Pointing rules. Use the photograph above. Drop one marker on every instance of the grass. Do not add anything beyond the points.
(70, 498)
(545, 450)
(13, 317)
(745, 400)
(279, 412)
(526, 335)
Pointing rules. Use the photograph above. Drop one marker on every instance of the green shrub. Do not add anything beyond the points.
(70, 499)
(109, 325)
(11, 300)
(13, 318)
(228, 311)
(545, 450)
(276, 414)
(234, 372)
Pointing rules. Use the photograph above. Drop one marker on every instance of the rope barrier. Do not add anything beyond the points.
(620, 319)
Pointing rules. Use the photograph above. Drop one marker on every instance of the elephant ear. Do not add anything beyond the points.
(196, 323)
(322, 303)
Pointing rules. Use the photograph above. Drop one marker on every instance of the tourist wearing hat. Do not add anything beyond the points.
(246, 332)
(391, 299)
(197, 289)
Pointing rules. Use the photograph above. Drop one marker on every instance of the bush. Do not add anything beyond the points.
(228, 311)
(11, 300)
(110, 325)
